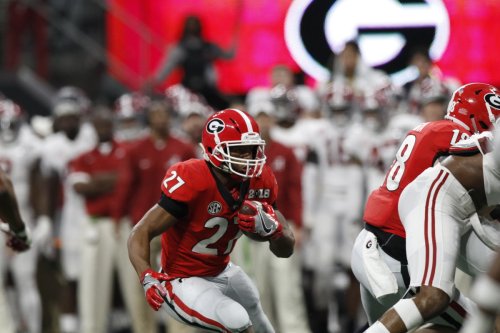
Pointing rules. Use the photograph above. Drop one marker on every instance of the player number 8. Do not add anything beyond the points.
(398, 167)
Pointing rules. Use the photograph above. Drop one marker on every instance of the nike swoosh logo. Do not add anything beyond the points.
(264, 226)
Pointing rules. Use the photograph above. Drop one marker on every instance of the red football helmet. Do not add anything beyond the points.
(225, 134)
(475, 106)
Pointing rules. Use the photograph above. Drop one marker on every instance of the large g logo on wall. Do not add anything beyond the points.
(386, 30)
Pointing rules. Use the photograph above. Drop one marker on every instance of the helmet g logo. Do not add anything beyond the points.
(215, 126)
(493, 100)
(387, 31)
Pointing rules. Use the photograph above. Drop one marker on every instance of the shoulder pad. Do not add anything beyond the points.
(477, 143)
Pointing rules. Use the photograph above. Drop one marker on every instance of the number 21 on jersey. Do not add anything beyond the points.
(206, 246)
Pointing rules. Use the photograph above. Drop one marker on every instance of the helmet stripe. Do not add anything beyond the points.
(246, 119)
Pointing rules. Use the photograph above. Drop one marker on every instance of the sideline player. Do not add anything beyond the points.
(467, 112)
(198, 218)
(19, 156)
(435, 209)
(102, 176)
(18, 237)
(72, 136)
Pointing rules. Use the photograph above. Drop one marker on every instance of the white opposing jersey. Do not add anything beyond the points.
(342, 173)
(58, 150)
(17, 159)
(308, 139)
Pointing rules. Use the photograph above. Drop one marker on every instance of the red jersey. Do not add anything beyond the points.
(199, 244)
(113, 203)
(150, 161)
(419, 150)
(288, 172)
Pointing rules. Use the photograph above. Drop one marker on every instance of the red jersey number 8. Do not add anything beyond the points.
(398, 167)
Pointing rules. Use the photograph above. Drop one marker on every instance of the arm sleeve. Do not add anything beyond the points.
(176, 208)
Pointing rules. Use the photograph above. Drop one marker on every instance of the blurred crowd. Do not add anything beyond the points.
(329, 146)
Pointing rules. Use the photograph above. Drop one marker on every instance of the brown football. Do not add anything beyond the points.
(249, 210)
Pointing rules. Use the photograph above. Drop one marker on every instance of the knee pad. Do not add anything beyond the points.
(232, 315)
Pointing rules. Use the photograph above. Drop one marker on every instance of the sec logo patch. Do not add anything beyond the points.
(214, 208)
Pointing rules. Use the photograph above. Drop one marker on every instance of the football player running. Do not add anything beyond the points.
(468, 112)
(198, 218)
(435, 209)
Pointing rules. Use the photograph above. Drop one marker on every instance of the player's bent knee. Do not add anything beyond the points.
(233, 316)
(431, 301)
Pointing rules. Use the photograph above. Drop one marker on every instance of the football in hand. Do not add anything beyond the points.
(249, 210)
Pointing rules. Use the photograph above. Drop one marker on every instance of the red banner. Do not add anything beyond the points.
(140, 33)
